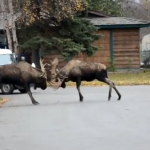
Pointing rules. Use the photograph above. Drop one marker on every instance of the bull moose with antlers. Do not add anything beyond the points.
(78, 71)
(23, 74)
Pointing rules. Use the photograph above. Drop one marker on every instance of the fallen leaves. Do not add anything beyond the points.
(2, 101)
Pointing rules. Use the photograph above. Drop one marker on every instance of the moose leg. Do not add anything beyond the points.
(78, 83)
(63, 85)
(112, 85)
(30, 94)
(119, 95)
(35, 87)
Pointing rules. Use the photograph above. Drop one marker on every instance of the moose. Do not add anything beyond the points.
(23, 74)
(78, 71)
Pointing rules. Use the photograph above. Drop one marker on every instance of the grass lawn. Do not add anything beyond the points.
(141, 78)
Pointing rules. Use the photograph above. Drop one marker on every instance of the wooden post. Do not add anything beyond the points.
(111, 45)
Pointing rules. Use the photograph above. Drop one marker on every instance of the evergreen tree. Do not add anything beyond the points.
(82, 32)
(68, 39)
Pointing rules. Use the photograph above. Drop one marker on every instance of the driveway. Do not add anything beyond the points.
(61, 122)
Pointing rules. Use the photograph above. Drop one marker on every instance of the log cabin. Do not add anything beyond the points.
(120, 42)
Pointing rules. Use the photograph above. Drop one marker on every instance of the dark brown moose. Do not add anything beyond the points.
(23, 74)
(78, 71)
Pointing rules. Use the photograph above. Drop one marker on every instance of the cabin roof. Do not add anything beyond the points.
(118, 22)
(98, 13)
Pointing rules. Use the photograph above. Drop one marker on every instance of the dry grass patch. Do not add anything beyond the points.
(2, 101)
(141, 78)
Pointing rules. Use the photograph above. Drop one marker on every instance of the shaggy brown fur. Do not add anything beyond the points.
(23, 74)
(78, 71)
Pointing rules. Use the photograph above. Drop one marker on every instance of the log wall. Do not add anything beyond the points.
(102, 55)
(126, 47)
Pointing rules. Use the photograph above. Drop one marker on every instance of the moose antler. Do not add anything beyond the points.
(54, 64)
(43, 75)
(55, 85)
(43, 65)
(54, 72)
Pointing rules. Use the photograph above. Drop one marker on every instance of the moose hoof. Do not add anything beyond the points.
(35, 103)
(119, 98)
(81, 99)
(109, 98)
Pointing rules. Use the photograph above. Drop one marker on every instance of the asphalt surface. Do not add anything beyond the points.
(61, 122)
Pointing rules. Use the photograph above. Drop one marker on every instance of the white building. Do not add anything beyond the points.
(146, 42)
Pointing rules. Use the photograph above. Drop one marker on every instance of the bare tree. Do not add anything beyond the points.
(13, 27)
(6, 23)
(137, 10)
(9, 21)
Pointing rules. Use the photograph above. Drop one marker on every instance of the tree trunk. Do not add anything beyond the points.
(6, 25)
(13, 28)
(35, 57)
(9, 39)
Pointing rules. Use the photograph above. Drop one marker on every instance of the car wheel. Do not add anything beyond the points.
(22, 90)
(7, 88)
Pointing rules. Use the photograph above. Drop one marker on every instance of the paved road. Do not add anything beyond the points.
(61, 122)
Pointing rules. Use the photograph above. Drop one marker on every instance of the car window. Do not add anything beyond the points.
(7, 59)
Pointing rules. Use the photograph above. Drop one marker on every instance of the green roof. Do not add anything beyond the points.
(116, 22)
